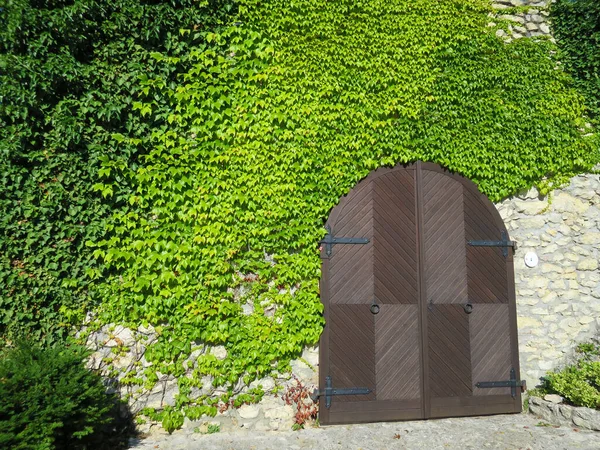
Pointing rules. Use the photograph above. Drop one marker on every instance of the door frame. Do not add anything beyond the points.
(492, 404)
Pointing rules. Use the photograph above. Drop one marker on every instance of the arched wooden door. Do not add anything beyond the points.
(418, 288)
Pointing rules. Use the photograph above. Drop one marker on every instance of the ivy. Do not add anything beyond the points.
(69, 82)
(283, 113)
(576, 26)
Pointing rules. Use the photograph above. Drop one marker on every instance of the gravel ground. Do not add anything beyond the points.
(515, 431)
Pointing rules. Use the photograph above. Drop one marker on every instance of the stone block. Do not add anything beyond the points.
(311, 355)
(587, 264)
(267, 384)
(558, 285)
(282, 412)
(535, 223)
(528, 322)
(546, 268)
(512, 18)
(567, 324)
(248, 411)
(262, 425)
(586, 319)
(590, 238)
(529, 301)
(553, 398)
(219, 351)
(124, 336)
(94, 361)
(549, 297)
(123, 362)
(560, 414)
(549, 248)
(561, 308)
(536, 18)
(537, 282)
(531, 26)
(566, 203)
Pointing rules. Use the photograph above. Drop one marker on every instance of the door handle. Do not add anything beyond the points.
(375, 307)
(468, 308)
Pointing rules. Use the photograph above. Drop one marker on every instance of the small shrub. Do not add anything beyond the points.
(578, 383)
(48, 399)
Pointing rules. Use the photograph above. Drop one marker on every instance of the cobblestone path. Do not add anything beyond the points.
(516, 431)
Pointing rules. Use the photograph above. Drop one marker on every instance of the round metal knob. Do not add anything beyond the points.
(375, 308)
(468, 308)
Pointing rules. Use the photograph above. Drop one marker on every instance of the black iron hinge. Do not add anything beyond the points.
(504, 243)
(329, 240)
(513, 384)
(329, 391)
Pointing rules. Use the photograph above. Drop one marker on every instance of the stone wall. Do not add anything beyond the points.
(118, 353)
(525, 18)
(558, 301)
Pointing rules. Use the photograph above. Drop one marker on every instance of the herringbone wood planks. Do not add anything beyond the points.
(352, 347)
(395, 247)
(351, 265)
(490, 346)
(486, 266)
(444, 239)
(397, 353)
(449, 351)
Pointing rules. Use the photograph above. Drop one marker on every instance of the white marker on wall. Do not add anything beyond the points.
(531, 259)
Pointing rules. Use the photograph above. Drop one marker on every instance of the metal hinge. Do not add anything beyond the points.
(504, 243)
(513, 384)
(329, 240)
(329, 391)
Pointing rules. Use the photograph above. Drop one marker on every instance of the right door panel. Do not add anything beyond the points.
(469, 331)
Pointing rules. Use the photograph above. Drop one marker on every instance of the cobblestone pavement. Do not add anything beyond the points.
(516, 431)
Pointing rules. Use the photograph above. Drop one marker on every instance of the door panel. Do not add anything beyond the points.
(490, 347)
(352, 342)
(395, 246)
(486, 266)
(449, 351)
(398, 358)
(378, 351)
(351, 275)
(444, 239)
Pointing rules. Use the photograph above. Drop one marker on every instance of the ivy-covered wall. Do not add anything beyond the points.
(69, 76)
(576, 26)
(294, 105)
(213, 248)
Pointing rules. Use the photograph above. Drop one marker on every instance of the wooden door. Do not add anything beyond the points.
(416, 317)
